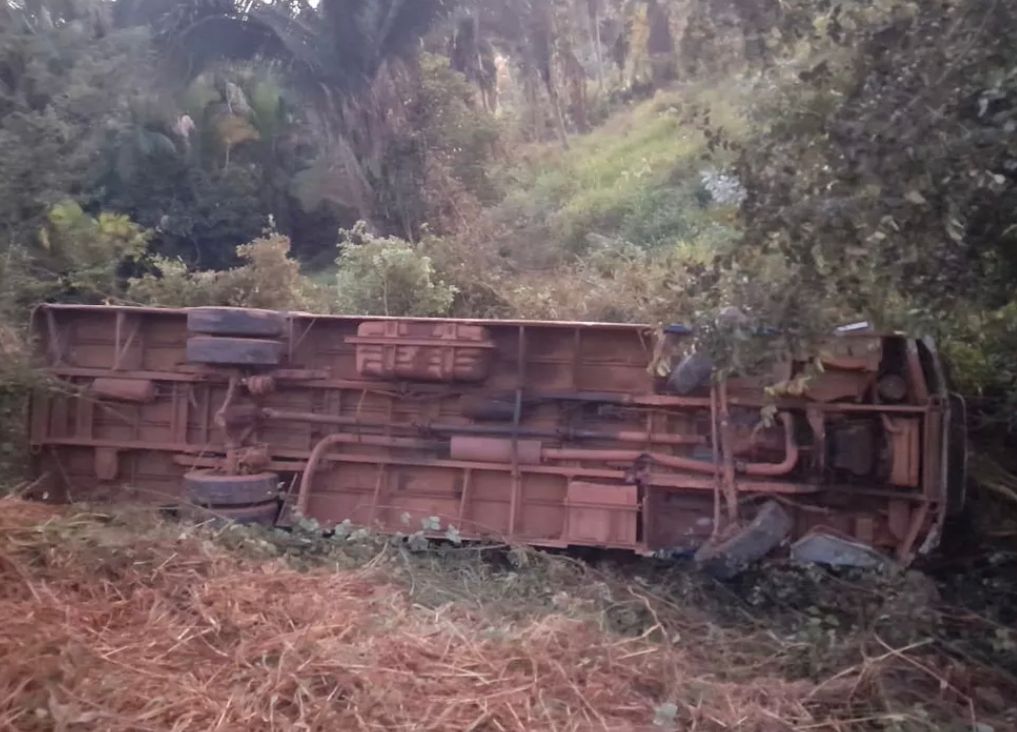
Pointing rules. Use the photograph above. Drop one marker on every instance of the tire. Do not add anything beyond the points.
(236, 322)
(263, 514)
(206, 488)
(752, 542)
(224, 351)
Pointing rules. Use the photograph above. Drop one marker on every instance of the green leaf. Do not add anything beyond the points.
(666, 716)
(418, 542)
(343, 530)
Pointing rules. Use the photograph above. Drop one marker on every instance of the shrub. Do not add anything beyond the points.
(641, 177)
(453, 126)
(170, 283)
(81, 255)
(979, 347)
(615, 282)
(469, 262)
(268, 278)
(388, 276)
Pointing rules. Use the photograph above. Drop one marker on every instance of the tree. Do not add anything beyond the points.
(473, 57)
(660, 42)
(351, 61)
(888, 176)
(267, 277)
(208, 166)
(388, 276)
(62, 78)
(82, 255)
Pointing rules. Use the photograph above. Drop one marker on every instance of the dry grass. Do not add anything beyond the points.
(111, 629)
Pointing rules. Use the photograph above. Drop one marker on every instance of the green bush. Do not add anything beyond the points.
(64, 92)
(80, 256)
(615, 282)
(637, 178)
(454, 128)
(388, 276)
(268, 278)
(979, 348)
(663, 216)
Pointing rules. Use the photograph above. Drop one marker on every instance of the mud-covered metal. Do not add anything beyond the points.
(553, 434)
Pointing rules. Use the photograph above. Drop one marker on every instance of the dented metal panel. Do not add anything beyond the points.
(553, 434)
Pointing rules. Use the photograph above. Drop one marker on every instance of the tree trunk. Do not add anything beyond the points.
(559, 116)
(575, 81)
(598, 52)
(660, 43)
(543, 33)
(531, 91)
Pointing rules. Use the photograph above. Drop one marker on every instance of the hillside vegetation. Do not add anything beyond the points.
(647, 160)
(620, 160)
(807, 162)
(122, 621)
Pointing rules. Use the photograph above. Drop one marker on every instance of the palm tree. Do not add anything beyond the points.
(339, 44)
(344, 58)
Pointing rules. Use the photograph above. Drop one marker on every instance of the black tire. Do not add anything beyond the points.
(752, 542)
(263, 514)
(236, 322)
(224, 351)
(206, 488)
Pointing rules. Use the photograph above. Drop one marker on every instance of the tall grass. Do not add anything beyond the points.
(637, 178)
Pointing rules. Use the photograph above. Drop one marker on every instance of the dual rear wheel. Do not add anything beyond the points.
(245, 337)
(221, 336)
(243, 499)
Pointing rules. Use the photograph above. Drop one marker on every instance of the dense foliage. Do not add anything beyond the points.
(653, 160)
(388, 276)
(749, 167)
(267, 277)
(887, 174)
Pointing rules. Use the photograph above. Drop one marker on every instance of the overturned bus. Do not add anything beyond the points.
(553, 434)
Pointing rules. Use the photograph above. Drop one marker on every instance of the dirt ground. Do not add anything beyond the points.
(126, 621)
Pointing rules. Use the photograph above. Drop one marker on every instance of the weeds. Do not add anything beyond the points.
(637, 179)
(258, 627)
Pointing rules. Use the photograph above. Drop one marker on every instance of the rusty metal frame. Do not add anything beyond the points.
(314, 411)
